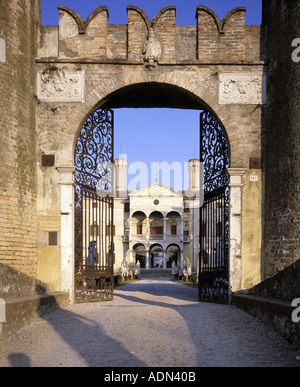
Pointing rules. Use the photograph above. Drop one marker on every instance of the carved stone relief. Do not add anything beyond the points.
(241, 88)
(151, 50)
(59, 85)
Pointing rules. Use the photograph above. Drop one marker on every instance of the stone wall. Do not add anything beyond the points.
(281, 138)
(25, 299)
(18, 35)
(272, 302)
(210, 41)
(285, 285)
(84, 65)
(15, 284)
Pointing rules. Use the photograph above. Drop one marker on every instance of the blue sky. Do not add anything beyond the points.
(186, 9)
(154, 135)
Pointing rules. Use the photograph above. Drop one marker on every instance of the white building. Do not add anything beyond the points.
(156, 224)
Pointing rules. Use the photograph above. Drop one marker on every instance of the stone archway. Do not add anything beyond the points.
(74, 79)
(153, 228)
(163, 105)
(140, 255)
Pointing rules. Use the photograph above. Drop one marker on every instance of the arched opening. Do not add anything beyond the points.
(166, 221)
(174, 223)
(156, 224)
(152, 95)
(156, 256)
(140, 255)
(173, 255)
(139, 224)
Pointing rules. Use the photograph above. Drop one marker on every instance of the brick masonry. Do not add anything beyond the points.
(281, 138)
(18, 29)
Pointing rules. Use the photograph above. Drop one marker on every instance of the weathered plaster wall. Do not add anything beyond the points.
(251, 229)
(19, 26)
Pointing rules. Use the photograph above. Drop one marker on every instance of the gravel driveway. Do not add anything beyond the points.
(151, 323)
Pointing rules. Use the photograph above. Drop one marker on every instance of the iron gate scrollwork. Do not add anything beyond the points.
(94, 247)
(214, 214)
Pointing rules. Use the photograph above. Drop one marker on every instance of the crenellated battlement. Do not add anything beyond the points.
(210, 40)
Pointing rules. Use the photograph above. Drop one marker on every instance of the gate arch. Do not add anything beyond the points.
(145, 95)
(75, 78)
(150, 94)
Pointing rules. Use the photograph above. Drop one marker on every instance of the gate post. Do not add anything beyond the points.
(67, 230)
(235, 222)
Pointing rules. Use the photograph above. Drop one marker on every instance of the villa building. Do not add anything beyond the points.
(156, 225)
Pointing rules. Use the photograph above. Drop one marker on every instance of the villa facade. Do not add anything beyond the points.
(156, 225)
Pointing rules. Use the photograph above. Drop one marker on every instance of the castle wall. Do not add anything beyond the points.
(281, 138)
(19, 26)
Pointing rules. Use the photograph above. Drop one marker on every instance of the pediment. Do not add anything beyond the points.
(156, 190)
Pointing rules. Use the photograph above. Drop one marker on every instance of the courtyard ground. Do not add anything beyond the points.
(150, 323)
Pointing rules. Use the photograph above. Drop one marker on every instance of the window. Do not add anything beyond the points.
(186, 207)
(140, 228)
(156, 227)
(174, 228)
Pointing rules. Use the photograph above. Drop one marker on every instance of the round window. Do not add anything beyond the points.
(156, 202)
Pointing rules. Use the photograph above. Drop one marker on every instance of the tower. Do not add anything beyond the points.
(121, 165)
(194, 175)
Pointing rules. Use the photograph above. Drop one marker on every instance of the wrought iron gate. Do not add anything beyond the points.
(214, 214)
(94, 247)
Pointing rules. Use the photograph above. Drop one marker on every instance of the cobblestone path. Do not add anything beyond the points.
(151, 323)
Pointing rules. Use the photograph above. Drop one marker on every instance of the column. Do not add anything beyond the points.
(181, 257)
(148, 228)
(147, 259)
(165, 260)
(130, 257)
(165, 228)
(67, 230)
(235, 222)
(130, 229)
(181, 228)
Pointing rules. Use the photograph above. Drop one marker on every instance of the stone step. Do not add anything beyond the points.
(21, 311)
(156, 273)
(276, 313)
